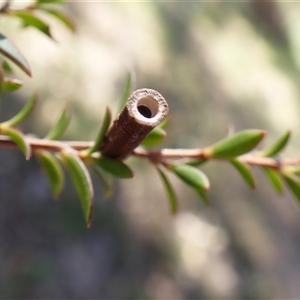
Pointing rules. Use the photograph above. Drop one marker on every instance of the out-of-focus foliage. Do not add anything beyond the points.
(60, 126)
(53, 170)
(10, 51)
(215, 63)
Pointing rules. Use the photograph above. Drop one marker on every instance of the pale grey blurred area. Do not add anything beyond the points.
(219, 65)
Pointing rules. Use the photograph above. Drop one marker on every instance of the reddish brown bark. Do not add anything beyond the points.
(144, 110)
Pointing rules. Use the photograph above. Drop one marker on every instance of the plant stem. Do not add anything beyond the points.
(36, 143)
(155, 156)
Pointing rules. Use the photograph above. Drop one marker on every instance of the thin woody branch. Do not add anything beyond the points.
(155, 156)
(160, 155)
(50, 145)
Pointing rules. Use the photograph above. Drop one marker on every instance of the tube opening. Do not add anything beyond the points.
(147, 107)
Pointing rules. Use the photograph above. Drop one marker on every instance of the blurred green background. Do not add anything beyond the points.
(218, 64)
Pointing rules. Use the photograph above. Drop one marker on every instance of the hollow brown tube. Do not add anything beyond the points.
(144, 110)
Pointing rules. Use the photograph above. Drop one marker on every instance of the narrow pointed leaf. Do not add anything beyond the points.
(169, 189)
(52, 169)
(11, 85)
(155, 137)
(10, 51)
(196, 162)
(202, 195)
(293, 183)
(277, 146)
(60, 126)
(245, 171)
(22, 114)
(7, 67)
(235, 145)
(82, 182)
(106, 185)
(191, 176)
(61, 17)
(275, 179)
(29, 19)
(114, 167)
(104, 127)
(127, 91)
(17, 137)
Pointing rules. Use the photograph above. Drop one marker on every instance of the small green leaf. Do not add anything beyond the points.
(29, 19)
(277, 146)
(169, 189)
(52, 169)
(17, 137)
(196, 162)
(114, 167)
(106, 185)
(192, 176)
(10, 51)
(60, 126)
(7, 67)
(22, 114)
(274, 178)
(293, 183)
(245, 171)
(11, 85)
(61, 17)
(155, 137)
(202, 195)
(235, 145)
(82, 182)
(127, 91)
(104, 127)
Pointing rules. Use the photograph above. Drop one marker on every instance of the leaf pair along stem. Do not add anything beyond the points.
(182, 162)
(250, 159)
